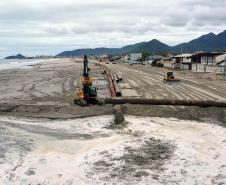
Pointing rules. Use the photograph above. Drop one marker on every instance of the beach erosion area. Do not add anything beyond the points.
(47, 139)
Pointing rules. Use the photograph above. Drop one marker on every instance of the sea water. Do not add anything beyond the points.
(20, 63)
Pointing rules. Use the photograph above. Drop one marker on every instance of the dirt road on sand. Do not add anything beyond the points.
(147, 82)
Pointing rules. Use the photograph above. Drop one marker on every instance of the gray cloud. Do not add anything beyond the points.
(70, 24)
(56, 31)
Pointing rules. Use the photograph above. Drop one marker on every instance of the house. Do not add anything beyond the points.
(151, 59)
(182, 57)
(124, 59)
(204, 61)
(221, 60)
(166, 63)
(134, 58)
(205, 58)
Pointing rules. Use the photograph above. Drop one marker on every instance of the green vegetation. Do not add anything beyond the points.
(220, 74)
(160, 67)
(180, 69)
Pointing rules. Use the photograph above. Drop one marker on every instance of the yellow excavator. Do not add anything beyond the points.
(170, 80)
(88, 94)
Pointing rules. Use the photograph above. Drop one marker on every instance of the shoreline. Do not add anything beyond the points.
(22, 63)
(210, 115)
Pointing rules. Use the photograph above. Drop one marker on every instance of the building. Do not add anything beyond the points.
(220, 60)
(134, 58)
(152, 60)
(124, 59)
(182, 57)
(206, 62)
(205, 58)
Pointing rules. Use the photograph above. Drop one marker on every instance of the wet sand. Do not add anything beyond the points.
(84, 151)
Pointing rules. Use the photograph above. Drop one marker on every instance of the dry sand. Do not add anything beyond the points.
(48, 90)
(147, 82)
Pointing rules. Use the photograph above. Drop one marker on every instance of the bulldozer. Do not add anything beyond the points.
(88, 94)
(169, 79)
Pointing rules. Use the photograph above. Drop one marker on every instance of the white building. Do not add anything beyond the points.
(134, 58)
(220, 60)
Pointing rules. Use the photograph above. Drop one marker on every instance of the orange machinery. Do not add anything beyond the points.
(170, 80)
(88, 93)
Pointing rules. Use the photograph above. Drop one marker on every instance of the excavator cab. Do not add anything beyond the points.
(88, 94)
(93, 92)
(170, 75)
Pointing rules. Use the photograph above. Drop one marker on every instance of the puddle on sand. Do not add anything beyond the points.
(84, 151)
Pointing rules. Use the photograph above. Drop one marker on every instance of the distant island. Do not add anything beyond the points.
(19, 56)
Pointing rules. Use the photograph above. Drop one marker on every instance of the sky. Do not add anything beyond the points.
(49, 27)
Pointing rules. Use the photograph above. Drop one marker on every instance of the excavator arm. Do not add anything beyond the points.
(88, 92)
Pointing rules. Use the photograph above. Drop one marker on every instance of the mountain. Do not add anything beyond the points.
(204, 43)
(129, 48)
(19, 56)
(207, 43)
(100, 51)
(153, 45)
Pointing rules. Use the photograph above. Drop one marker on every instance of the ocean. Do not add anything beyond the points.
(20, 63)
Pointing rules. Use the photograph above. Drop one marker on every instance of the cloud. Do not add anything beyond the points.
(56, 31)
(72, 24)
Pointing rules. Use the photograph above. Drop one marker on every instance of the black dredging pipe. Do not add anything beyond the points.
(116, 78)
(119, 76)
(112, 77)
(117, 89)
(199, 103)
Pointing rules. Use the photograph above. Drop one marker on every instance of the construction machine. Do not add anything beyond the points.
(170, 79)
(88, 94)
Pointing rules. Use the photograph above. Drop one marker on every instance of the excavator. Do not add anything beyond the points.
(88, 94)
(170, 80)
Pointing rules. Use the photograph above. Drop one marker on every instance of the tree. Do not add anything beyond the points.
(144, 57)
(109, 56)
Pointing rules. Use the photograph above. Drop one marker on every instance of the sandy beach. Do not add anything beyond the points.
(47, 139)
(49, 89)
